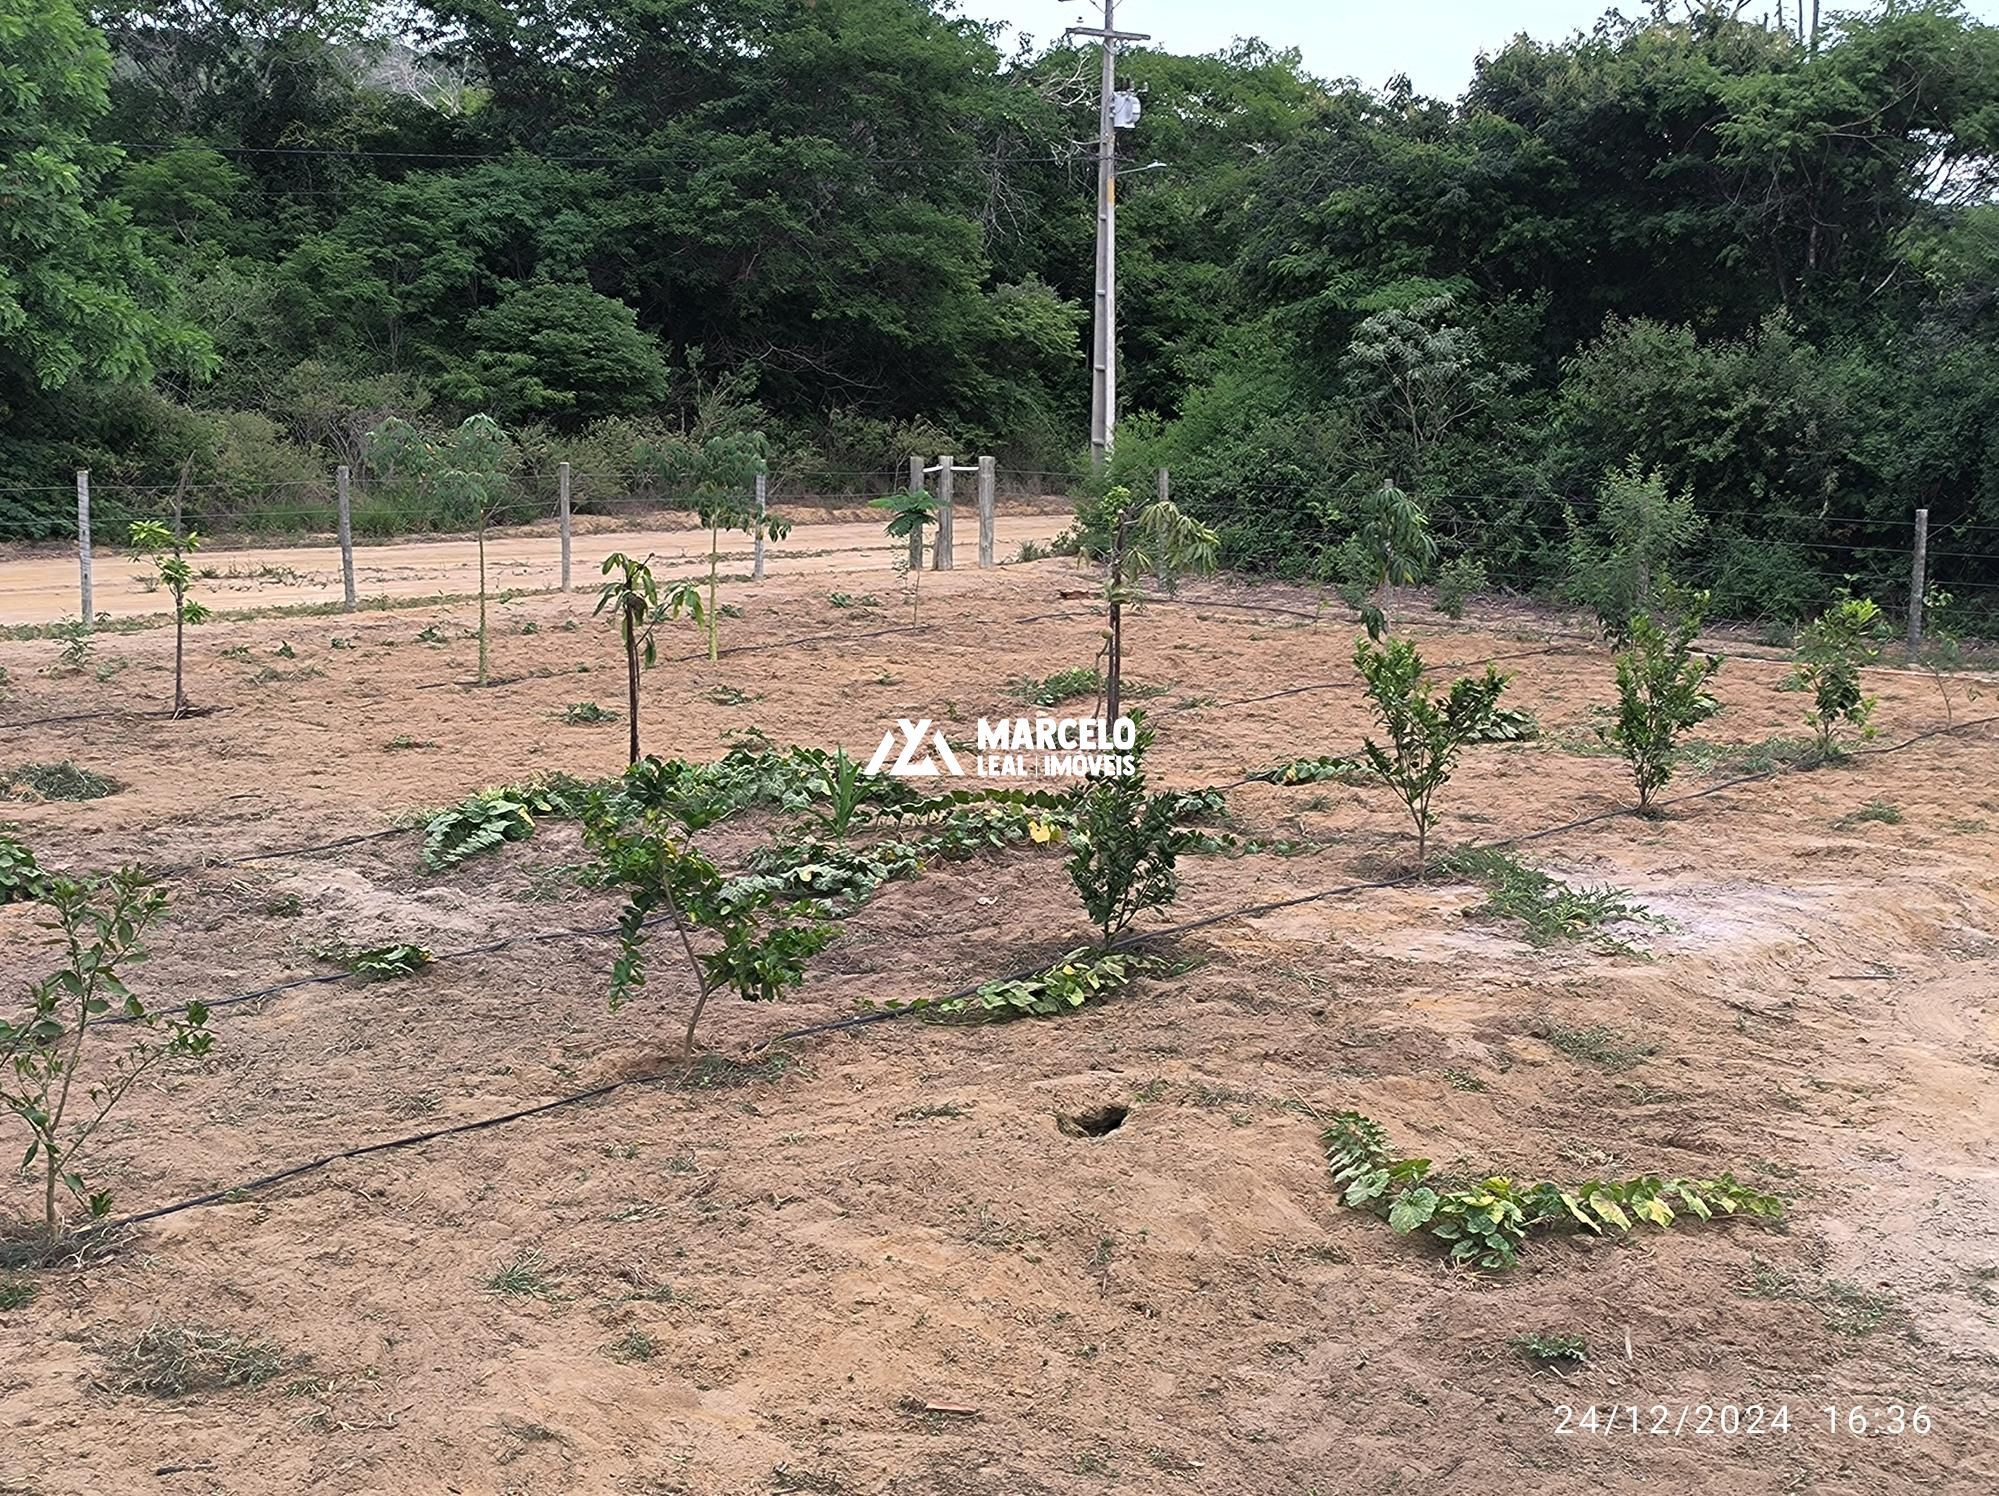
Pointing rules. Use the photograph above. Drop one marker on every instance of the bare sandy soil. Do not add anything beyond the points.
(41, 584)
(853, 1231)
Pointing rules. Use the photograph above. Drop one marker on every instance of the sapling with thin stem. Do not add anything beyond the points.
(1135, 536)
(167, 552)
(1123, 845)
(44, 1052)
(1425, 733)
(1831, 651)
(634, 597)
(461, 469)
(1662, 689)
(908, 514)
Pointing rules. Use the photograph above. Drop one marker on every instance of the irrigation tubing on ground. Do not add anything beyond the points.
(858, 1020)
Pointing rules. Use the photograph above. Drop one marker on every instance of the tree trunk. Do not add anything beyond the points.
(180, 653)
(632, 683)
(1114, 664)
(482, 597)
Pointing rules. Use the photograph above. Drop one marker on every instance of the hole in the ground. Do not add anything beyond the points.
(1095, 1122)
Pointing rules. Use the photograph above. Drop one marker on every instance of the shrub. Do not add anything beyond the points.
(1662, 691)
(21, 877)
(1641, 527)
(1123, 845)
(1831, 651)
(1425, 734)
(1457, 580)
(43, 1053)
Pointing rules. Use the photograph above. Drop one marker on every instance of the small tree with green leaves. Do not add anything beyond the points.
(752, 942)
(634, 597)
(166, 551)
(44, 1052)
(715, 476)
(1391, 546)
(909, 513)
(1642, 527)
(1425, 733)
(463, 470)
(1123, 845)
(1662, 689)
(1136, 536)
(1832, 649)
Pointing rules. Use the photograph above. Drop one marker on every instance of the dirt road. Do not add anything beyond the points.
(42, 586)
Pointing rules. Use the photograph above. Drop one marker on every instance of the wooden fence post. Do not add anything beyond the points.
(988, 480)
(940, 554)
(1918, 580)
(83, 544)
(562, 516)
(763, 509)
(916, 535)
(346, 510)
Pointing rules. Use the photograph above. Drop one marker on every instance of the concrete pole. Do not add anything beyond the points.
(763, 510)
(1918, 580)
(346, 526)
(562, 516)
(83, 544)
(988, 482)
(940, 553)
(1103, 344)
(916, 535)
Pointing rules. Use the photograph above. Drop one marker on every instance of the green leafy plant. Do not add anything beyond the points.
(1123, 845)
(1548, 908)
(45, 1052)
(1641, 527)
(634, 597)
(1131, 537)
(1425, 733)
(757, 944)
(1549, 1349)
(909, 514)
(1063, 685)
(586, 714)
(77, 642)
(1083, 976)
(483, 821)
(1832, 648)
(382, 962)
(1662, 691)
(21, 877)
(715, 466)
(1458, 580)
(1391, 546)
(463, 470)
(1335, 769)
(1485, 1221)
(62, 780)
(167, 552)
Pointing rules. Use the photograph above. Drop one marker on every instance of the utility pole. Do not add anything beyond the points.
(1103, 349)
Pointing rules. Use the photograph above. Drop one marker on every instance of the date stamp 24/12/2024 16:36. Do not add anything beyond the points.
(1742, 1420)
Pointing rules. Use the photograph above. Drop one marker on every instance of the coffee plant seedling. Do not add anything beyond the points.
(1831, 651)
(1123, 845)
(634, 598)
(462, 471)
(908, 514)
(167, 552)
(1139, 536)
(757, 944)
(1425, 733)
(1662, 690)
(44, 1053)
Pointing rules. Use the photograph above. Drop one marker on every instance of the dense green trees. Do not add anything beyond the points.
(1765, 270)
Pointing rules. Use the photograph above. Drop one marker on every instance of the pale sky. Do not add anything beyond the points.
(1433, 41)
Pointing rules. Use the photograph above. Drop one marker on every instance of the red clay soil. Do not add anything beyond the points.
(871, 1261)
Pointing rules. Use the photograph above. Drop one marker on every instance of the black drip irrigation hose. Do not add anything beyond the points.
(882, 1016)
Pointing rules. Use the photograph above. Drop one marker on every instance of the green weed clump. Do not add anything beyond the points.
(63, 780)
(1548, 910)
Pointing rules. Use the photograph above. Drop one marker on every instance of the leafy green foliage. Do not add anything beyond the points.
(167, 552)
(1063, 685)
(633, 596)
(756, 943)
(1549, 909)
(1641, 527)
(46, 1053)
(21, 877)
(483, 821)
(1486, 1221)
(1662, 691)
(1425, 733)
(909, 514)
(1458, 579)
(1082, 977)
(1391, 546)
(1335, 769)
(382, 962)
(62, 780)
(1134, 536)
(586, 714)
(1831, 651)
(1123, 845)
